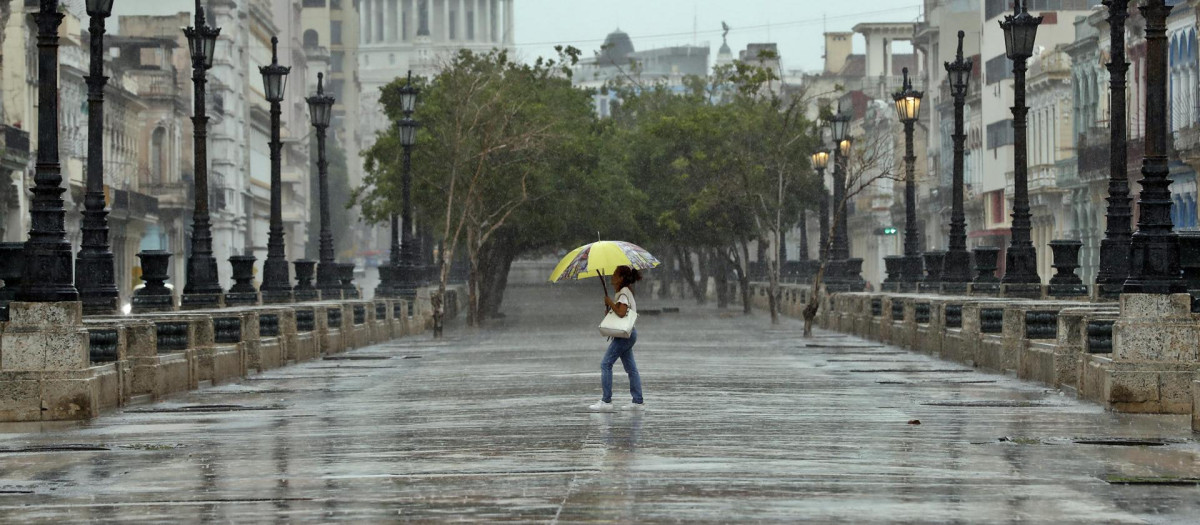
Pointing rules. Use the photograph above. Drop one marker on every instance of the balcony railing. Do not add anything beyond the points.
(14, 146)
(136, 204)
(1187, 140)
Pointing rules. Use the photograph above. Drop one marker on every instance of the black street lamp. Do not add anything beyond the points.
(956, 267)
(839, 250)
(908, 109)
(408, 276)
(1020, 276)
(320, 109)
(1154, 257)
(820, 160)
(94, 273)
(1114, 248)
(47, 252)
(202, 289)
(276, 285)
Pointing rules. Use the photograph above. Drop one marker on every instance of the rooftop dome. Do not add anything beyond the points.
(617, 48)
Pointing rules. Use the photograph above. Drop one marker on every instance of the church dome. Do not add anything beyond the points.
(617, 48)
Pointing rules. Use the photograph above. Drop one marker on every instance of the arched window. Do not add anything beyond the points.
(311, 39)
(158, 156)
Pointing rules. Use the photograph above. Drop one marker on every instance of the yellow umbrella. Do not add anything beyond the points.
(601, 258)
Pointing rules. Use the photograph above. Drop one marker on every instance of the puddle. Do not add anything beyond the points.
(356, 358)
(201, 409)
(1168, 481)
(1118, 442)
(912, 370)
(55, 448)
(990, 404)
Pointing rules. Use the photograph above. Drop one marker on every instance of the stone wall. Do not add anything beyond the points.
(57, 365)
(1141, 355)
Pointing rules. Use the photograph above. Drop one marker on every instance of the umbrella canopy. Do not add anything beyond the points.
(601, 258)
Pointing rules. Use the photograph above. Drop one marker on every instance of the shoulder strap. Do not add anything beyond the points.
(626, 295)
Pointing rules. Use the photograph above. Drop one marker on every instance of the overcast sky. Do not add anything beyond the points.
(796, 25)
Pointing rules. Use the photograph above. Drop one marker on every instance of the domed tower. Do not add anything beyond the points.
(616, 50)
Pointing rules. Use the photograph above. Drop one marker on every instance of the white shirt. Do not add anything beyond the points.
(625, 295)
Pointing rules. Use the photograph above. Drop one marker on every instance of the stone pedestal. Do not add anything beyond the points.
(1156, 353)
(44, 364)
(242, 293)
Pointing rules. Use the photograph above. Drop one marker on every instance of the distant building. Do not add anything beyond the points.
(619, 63)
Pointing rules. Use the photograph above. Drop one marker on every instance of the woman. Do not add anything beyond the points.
(623, 279)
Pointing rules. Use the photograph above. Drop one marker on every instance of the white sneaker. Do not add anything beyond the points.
(635, 407)
(601, 406)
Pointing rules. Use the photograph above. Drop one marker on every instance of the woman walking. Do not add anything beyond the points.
(623, 279)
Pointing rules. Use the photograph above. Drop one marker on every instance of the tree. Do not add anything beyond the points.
(496, 137)
(872, 159)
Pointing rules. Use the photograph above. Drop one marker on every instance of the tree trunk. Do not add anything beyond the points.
(720, 267)
(814, 302)
(685, 265)
(472, 280)
(667, 275)
(772, 284)
(740, 263)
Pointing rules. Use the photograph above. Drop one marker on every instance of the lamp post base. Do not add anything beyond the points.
(953, 288)
(307, 295)
(200, 301)
(987, 289)
(277, 296)
(1022, 290)
(241, 299)
(1068, 291)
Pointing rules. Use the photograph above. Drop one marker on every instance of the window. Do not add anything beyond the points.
(470, 25)
(335, 32)
(997, 69)
(452, 25)
(335, 4)
(314, 3)
(999, 134)
(311, 39)
(158, 156)
(335, 88)
(336, 62)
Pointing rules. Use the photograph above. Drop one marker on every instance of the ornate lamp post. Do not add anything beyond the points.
(1154, 260)
(908, 108)
(407, 278)
(820, 161)
(1114, 248)
(956, 267)
(1020, 276)
(47, 252)
(320, 109)
(839, 250)
(202, 289)
(94, 274)
(276, 286)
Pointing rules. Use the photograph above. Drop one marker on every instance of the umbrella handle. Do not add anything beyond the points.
(605, 286)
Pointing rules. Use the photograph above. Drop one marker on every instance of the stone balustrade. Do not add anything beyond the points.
(1141, 355)
(57, 365)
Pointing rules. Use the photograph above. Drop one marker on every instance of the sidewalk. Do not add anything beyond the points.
(746, 421)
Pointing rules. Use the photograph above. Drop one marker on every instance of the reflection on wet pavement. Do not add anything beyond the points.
(745, 422)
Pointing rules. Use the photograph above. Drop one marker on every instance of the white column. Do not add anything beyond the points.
(445, 20)
(492, 18)
(413, 20)
(510, 37)
(362, 23)
(389, 20)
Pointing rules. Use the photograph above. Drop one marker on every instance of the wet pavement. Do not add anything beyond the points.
(745, 421)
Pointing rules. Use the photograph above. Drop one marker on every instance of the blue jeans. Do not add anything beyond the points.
(621, 349)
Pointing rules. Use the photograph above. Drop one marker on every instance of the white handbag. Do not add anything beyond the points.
(614, 325)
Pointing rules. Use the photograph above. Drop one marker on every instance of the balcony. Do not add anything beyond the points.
(14, 148)
(133, 204)
(175, 195)
(1187, 141)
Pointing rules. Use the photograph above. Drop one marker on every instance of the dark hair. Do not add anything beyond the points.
(627, 275)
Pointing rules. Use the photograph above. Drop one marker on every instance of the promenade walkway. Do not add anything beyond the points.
(746, 421)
